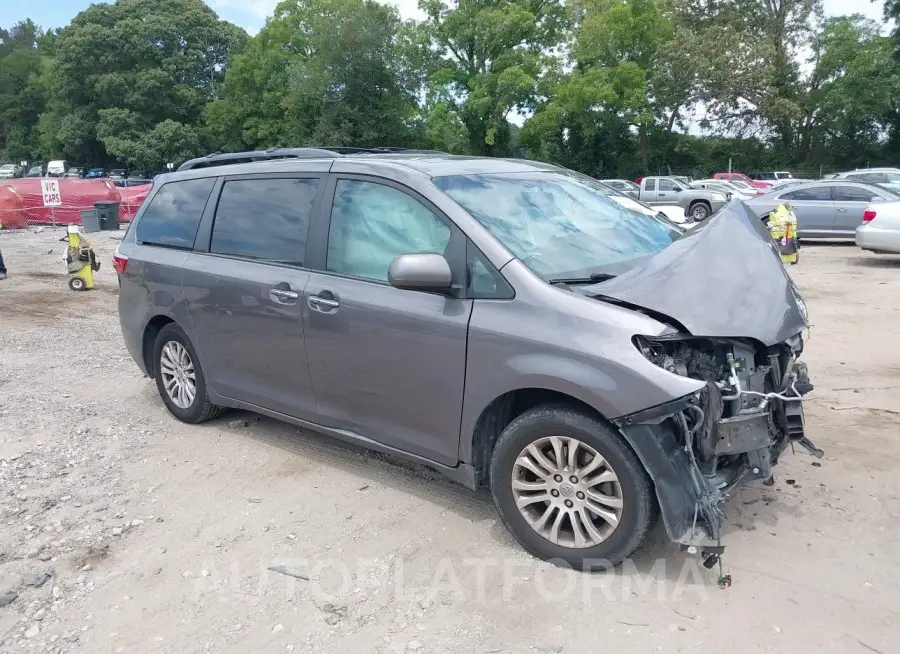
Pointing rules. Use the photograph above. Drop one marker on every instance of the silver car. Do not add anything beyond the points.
(886, 177)
(880, 229)
(624, 187)
(501, 321)
(10, 171)
(825, 209)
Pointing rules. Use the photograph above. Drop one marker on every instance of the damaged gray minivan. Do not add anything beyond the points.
(500, 321)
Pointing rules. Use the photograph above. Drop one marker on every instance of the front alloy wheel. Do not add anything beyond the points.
(569, 487)
(567, 492)
(700, 212)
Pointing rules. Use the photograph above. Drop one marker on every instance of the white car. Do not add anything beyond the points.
(726, 187)
(10, 171)
(880, 230)
(672, 212)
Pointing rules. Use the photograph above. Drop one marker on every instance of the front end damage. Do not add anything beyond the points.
(702, 447)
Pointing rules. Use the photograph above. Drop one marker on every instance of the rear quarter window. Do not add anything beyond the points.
(173, 215)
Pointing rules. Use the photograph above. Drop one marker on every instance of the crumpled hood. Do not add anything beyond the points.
(723, 280)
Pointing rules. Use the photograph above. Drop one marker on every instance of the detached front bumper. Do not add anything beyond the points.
(691, 489)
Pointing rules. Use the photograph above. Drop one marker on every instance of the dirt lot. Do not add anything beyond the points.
(157, 536)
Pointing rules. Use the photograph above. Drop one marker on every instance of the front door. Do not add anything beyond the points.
(245, 295)
(814, 209)
(387, 364)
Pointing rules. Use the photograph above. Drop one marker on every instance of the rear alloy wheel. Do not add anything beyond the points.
(570, 489)
(700, 211)
(179, 377)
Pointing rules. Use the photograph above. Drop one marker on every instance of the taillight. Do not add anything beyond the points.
(868, 215)
(119, 263)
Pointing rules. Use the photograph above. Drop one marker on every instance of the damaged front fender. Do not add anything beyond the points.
(688, 503)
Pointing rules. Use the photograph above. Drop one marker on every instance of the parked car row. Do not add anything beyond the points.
(844, 205)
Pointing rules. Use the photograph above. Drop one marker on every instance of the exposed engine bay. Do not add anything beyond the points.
(734, 430)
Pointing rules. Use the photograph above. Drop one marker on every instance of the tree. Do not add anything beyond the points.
(853, 91)
(618, 83)
(22, 91)
(122, 70)
(321, 72)
(486, 60)
(751, 77)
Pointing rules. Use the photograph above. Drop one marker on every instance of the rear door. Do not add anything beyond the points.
(666, 193)
(814, 209)
(386, 364)
(849, 204)
(244, 289)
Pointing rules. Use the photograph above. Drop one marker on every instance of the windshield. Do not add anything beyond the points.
(560, 224)
(7, 167)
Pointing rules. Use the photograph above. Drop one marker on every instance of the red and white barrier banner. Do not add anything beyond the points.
(24, 202)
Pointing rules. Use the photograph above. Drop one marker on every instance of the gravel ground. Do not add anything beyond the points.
(122, 530)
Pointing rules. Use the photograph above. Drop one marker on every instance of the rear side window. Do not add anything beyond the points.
(650, 185)
(666, 185)
(816, 193)
(264, 219)
(872, 178)
(173, 215)
(853, 194)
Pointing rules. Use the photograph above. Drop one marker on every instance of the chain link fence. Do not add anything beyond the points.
(22, 201)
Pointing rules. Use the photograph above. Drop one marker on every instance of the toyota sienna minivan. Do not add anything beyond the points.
(501, 321)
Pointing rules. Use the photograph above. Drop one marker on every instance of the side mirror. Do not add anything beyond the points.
(420, 272)
(677, 189)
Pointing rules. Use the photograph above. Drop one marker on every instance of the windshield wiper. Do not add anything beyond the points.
(593, 279)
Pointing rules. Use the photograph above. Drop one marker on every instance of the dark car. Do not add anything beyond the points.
(36, 171)
(95, 173)
(501, 321)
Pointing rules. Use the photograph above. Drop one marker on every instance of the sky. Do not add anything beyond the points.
(251, 14)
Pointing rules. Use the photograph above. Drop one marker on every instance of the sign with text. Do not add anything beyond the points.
(50, 191)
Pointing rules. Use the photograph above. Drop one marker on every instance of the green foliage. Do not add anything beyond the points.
(486, 60)
(330, 72)
(124, 72)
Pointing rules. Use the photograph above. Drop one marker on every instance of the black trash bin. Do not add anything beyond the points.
(109, 215)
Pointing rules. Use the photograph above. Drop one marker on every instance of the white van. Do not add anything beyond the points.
(57, 168)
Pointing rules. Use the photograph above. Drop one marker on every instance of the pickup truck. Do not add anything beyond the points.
(699, 204)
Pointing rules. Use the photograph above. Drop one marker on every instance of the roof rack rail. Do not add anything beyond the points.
(325, 151)
(226, 158)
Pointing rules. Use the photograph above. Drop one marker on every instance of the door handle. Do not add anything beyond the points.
(840, 210)
(283, 294)
(320, 303)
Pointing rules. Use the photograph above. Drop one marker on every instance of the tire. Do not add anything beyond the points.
(77, 284)
(170, 340)
(635, 489)
(700, 211)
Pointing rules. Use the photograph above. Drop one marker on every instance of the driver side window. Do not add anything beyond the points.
(371, 224)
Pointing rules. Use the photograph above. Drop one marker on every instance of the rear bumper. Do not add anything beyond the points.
(871, 237)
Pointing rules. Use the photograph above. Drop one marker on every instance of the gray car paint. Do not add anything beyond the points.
(820, 218)
(685, 198)
(411, 373)
(749, 295)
